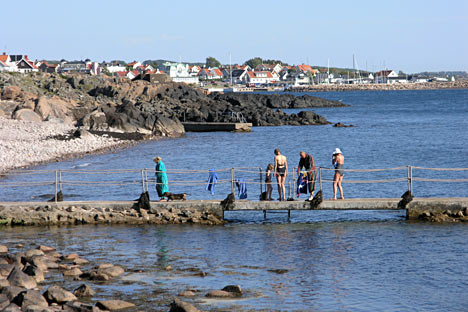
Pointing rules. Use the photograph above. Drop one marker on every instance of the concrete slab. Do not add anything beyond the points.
(217, 126)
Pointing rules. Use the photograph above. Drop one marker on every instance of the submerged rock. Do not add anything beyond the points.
(114, 305)
(220, 294)
(84, 291)
(180, 306)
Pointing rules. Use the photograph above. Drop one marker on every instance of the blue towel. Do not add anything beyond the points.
(301, 184)
(212, 179)
(241, 188)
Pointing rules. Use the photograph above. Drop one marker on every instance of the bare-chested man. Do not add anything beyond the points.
(281, 172)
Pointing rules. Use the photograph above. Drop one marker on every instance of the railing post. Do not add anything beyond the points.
(56, 185)
(60, 180)
(233, 190)
(293, 179)
(146, 180)
(320, 177)
(143, 180)
(411, 179)
(261, 180)
(408, 178)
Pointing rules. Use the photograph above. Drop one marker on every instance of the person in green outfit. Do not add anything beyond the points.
(162, 186)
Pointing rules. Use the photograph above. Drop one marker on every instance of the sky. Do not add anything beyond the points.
(411, 36)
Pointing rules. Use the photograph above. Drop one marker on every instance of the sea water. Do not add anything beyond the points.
(317, 260)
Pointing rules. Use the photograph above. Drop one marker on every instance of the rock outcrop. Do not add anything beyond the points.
(101, 103)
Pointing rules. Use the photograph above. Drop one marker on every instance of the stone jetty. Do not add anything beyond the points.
(461, 84)
(70, 213)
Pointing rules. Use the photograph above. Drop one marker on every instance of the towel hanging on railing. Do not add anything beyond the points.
(241, 188)
(302, 184)
(212, 179)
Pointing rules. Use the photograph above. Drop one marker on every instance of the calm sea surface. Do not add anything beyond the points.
(319, 260)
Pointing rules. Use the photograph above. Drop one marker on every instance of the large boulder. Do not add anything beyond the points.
(168, 127)
(114, 305)
(4, 301)
(5, 270)
(11, 291)
(56, 294)
(21, 279)
(180, 306)
(96, 120)
(11, 92)
(54, 109)
(34, 252)
(7, 108)
(309, 117)
(35, 272)
(110, 270)
(30, 297)
(84, 291)
(27, 115)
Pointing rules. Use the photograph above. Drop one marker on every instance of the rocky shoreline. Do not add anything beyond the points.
(47, 117)
(155, 109)
(44, 280)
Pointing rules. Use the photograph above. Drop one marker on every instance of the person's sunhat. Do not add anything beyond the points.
(337, 151)
(157, 158)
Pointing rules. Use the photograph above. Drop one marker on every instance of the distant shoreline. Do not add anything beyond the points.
(462, 84)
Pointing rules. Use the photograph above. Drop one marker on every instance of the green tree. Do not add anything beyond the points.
(254, 62)
(212, 62)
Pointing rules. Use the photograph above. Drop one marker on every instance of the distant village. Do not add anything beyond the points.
(244, 75)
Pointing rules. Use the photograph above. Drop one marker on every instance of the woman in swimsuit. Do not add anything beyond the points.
(338, 162)
(281, 172)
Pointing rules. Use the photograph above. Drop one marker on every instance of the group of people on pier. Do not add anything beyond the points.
(280, 170)
(306, 162)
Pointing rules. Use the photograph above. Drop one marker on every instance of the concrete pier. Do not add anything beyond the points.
(348, 204)
(217, 126)
(203, 211)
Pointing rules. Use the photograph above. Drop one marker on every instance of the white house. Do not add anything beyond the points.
(205, 74)
(132, 74)
(179, 72)
(6, 64)
(114, 67)
(23, 63)
(194, 70)
(384, 75)
(259, 77)
(239, 76)
(134, 64)
(216, 73)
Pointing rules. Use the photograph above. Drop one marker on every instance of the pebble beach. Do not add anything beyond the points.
(24, 143)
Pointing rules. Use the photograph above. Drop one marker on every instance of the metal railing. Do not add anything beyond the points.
(60, 178)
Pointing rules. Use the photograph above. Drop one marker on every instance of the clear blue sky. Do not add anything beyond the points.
(407, 35)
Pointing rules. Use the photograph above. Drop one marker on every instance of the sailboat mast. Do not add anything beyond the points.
(230, 67)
